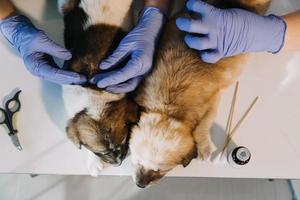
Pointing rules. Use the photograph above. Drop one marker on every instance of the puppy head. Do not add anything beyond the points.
(106, 131)
(158, 144)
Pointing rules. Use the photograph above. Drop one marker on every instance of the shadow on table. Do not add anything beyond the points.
(54, 105)
(9, 47)
(218, 138)
(51, 10)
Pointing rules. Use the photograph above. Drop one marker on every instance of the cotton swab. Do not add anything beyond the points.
(230, 116)
(244, 116)
(229, 136)
(232, 108)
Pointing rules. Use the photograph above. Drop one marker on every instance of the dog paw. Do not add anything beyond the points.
(95, 169)
(204, 151)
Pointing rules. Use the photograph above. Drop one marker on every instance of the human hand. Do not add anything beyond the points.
(139, 47)
(228, 32)
(37, 49)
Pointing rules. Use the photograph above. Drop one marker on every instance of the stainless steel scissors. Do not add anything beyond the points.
(12, 106)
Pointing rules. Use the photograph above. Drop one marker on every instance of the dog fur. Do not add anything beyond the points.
(98, 120)
(180, 99)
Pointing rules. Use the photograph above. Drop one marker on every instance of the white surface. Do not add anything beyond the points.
(271, 131)
(22, 187)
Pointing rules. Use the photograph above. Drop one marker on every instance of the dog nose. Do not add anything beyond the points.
(119, 157)
(140, 185)
(113, 158)
(117, 162)
(120, 154)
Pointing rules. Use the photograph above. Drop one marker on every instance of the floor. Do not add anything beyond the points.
(45, 187)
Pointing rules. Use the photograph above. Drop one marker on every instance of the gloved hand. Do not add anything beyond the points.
(139, 47)
(229, 32)
(36, 50)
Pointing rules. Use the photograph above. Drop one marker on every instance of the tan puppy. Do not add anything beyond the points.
(180, 99)
(98, 120)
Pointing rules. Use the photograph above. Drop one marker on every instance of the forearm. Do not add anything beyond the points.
(161, 4)
(6, 8)
(292, 37)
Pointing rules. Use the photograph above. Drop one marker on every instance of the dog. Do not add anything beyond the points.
(98, 120)
(179, 100)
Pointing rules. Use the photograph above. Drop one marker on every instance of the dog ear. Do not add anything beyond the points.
(73, 134)
(133, 112)
(189, 157)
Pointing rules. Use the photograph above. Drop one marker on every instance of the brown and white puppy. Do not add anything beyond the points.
(180, 100)
(98, 120)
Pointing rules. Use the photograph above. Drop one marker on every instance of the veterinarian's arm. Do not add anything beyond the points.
(292, 37)
(35, 47)
(138, 47)
(230, 32)
(6, 8)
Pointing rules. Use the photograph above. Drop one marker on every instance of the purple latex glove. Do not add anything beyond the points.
(229, 32)
(37, 50)
(139, 46)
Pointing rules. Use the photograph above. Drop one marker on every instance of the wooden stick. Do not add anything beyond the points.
(244, 116)
(232, 108)
(230, 115)
(239, 124)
